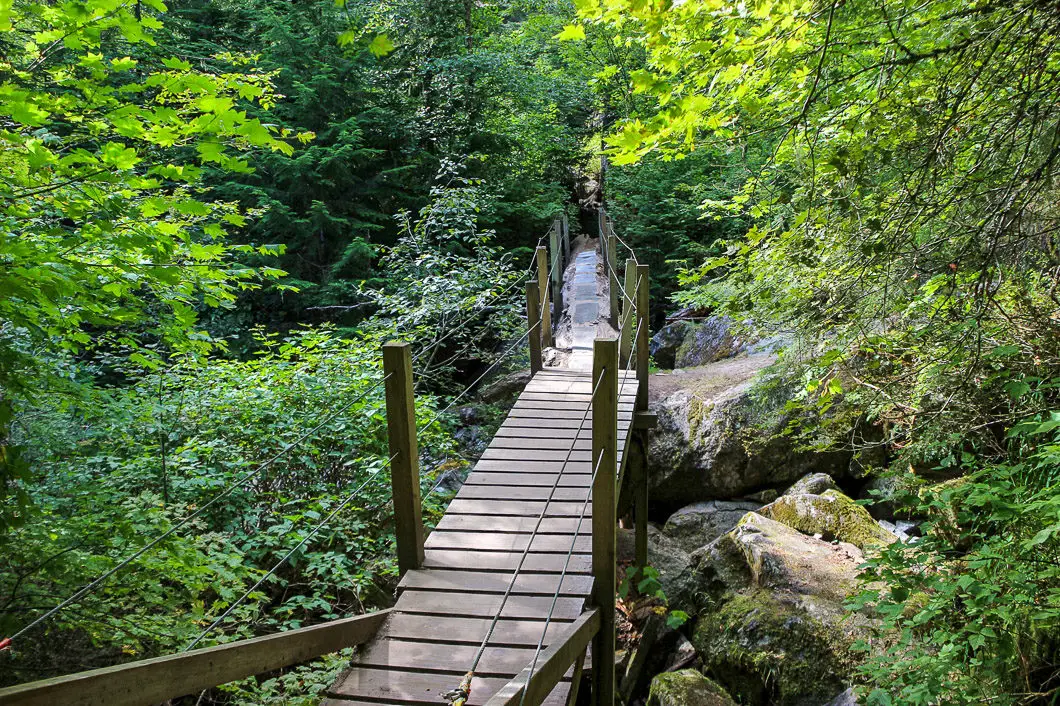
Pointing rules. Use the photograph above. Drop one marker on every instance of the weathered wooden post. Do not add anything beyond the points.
(557, 269)
(542, 286)
(640, 478)
(629, 306)
(533, 323)
(605, 459)
(612, 275)
(566, 240)
(642, 338)
(405, 466)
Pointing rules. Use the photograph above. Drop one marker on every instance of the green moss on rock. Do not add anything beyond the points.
(687, 687)
(831, 515)
(765, 652)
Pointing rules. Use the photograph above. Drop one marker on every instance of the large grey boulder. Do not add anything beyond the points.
(688, 343)
(701, 523)
(766, 651)
(667, 557)
(505, 388)
(764, 553)
(726, 444)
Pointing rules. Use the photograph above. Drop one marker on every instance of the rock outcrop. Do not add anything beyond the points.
(815, 483)
(688, 343)
(725, 444)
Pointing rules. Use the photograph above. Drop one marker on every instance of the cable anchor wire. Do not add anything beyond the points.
(460, 695)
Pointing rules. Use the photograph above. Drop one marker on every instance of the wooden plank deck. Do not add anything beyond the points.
(444, 609)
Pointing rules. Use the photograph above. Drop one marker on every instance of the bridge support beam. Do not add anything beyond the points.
(605, 460)
(405, 466)
(612, 278)
(629, 302)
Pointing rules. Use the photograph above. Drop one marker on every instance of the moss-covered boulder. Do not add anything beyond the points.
(763, 553)
(766, 651)
(687, 687)
(699, 524)
(831, 515)
(723, 444)
(814, 483)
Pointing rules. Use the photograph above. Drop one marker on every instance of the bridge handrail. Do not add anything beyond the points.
(159, 679)
(533, 685)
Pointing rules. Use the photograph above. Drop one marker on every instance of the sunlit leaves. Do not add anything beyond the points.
(99, 221)
(571, 33)
(380, 45)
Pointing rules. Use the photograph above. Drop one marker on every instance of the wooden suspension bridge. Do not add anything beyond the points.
(510, 599)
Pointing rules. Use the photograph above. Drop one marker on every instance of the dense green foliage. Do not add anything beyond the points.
(159, 166)
(902, 230)
(215, 212)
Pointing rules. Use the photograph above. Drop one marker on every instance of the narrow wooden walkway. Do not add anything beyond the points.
(444, 609)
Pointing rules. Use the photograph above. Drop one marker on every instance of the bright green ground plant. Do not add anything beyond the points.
(970, 613)
(117, 469)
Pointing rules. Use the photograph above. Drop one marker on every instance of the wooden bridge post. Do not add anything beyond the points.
(542, 286)
(604, 453)
(642, 338)
(640, 477)
(533, 320)
(405, 467)
(612, 275)
(557, 268)
(566, 240)
(629, 307)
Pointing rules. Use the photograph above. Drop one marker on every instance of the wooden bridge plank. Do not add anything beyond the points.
(526, 466)
(504, 524)
(579, 408)
(477, 605)
(546, 422)
(415, 687)
(494, 453)
(452, 659)
(470, 631)
(513, 492)
(527, 508)
(534, 562)
(495, 582)
(542, 543)
(546, 444)
(566, 480)
(509, 429)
